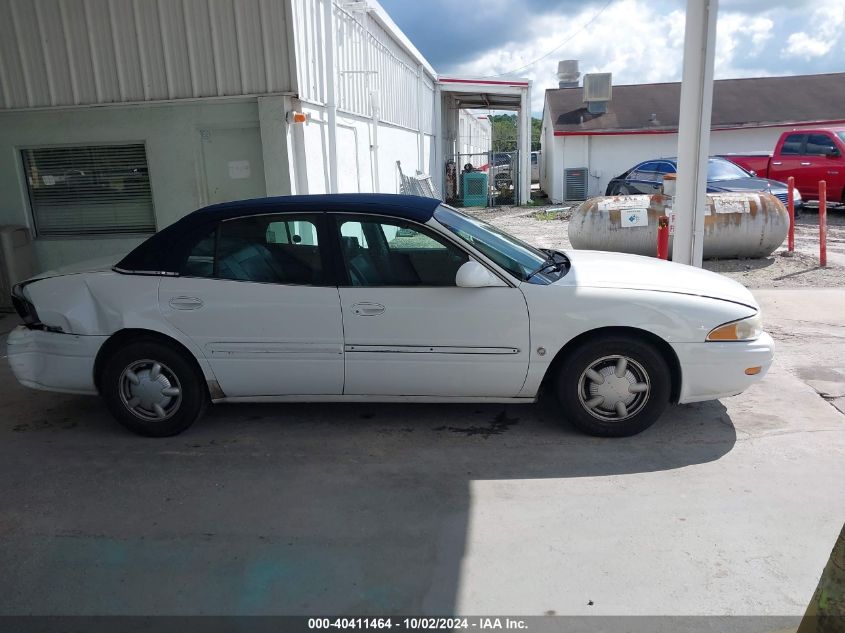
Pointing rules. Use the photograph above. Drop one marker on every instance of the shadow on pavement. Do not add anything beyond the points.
(282, 509)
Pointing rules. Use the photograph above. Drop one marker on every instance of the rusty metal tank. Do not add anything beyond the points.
(736, 225)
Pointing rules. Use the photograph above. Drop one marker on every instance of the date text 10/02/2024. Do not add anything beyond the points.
(447, 624)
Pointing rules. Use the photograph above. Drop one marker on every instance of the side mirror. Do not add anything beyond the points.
(474, 275)
(833, 152)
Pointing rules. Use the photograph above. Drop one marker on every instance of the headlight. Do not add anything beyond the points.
(23, 306)
(742, 330)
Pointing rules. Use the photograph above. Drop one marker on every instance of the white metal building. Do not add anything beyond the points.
(584, 150)
(475, 133)
(117, 117)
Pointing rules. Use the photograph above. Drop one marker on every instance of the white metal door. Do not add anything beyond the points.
(233, 164)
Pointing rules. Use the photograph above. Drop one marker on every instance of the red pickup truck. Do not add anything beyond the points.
(809, 155)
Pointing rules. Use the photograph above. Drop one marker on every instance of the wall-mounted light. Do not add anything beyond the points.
(297, 117)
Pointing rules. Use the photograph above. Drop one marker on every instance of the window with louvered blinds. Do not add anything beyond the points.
(93, 190)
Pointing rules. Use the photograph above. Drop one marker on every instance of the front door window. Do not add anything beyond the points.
(377, 252)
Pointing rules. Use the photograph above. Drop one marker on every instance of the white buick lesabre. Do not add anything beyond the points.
(381, 298)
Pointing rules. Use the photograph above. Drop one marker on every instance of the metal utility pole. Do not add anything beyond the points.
(694, 131)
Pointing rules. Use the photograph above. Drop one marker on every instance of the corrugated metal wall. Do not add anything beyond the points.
(405, 91)
(308, 34)
(76, 52)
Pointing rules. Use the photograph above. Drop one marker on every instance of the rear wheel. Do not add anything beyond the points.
(614, 386)
(152, 389)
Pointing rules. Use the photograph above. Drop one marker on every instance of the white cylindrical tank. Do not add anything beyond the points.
(735, 225)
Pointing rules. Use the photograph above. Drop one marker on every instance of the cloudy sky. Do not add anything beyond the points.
(639, 41)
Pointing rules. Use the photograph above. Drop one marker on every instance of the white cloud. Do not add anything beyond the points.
(641, 41)
(828, 20)
(652, 55)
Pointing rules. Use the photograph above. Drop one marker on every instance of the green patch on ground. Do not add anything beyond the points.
(549, 214)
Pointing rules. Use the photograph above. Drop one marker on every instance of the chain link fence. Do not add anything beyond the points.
(487, 179)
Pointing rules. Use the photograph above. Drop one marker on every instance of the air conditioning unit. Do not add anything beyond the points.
(475, 189)
(597, 90)
(17, 261)
(598, 87)
(576, 183)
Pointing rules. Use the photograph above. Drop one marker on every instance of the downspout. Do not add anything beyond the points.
(374, 104)
(420, 135)
(331, 96)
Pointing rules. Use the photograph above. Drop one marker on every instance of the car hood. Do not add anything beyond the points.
(601, 269)
(745, 184)
(99, 264)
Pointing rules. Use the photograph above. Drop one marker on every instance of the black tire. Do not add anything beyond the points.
(176, 371)
(501, 181)
(644, 366)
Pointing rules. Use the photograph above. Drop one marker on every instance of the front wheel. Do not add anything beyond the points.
(152, 389)
(614, 386)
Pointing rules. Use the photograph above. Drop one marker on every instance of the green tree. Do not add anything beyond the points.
(505, 136)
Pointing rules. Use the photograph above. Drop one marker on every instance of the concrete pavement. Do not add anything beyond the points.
(721, 508)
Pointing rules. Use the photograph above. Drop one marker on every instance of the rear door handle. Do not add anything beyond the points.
(366, 308)
(777, 162)
(185, 303)
(805, 164)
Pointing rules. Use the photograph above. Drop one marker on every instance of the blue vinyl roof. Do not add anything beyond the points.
(407, 207)
(165, 251)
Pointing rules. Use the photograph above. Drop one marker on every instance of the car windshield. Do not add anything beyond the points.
(841, 136)
(515, 256)
(720, 169)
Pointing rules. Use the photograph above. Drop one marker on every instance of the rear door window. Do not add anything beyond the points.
(200, 262)
(793, 145)
(281, 249)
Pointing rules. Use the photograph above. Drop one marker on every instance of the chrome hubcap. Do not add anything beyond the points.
(614, 388)
(150, 390)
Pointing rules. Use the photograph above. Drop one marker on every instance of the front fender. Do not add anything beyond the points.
(558, 314)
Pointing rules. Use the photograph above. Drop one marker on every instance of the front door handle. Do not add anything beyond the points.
(185, 303)
(366, 308)
(805, 164)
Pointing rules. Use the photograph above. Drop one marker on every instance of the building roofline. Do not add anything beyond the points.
(670, 83)
(384, 19)
(715, 128)
(519, 83)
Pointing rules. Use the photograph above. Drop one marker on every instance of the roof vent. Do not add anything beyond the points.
(568, 74)
(598, 88)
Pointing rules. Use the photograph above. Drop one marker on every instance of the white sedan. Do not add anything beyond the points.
(350, 298)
